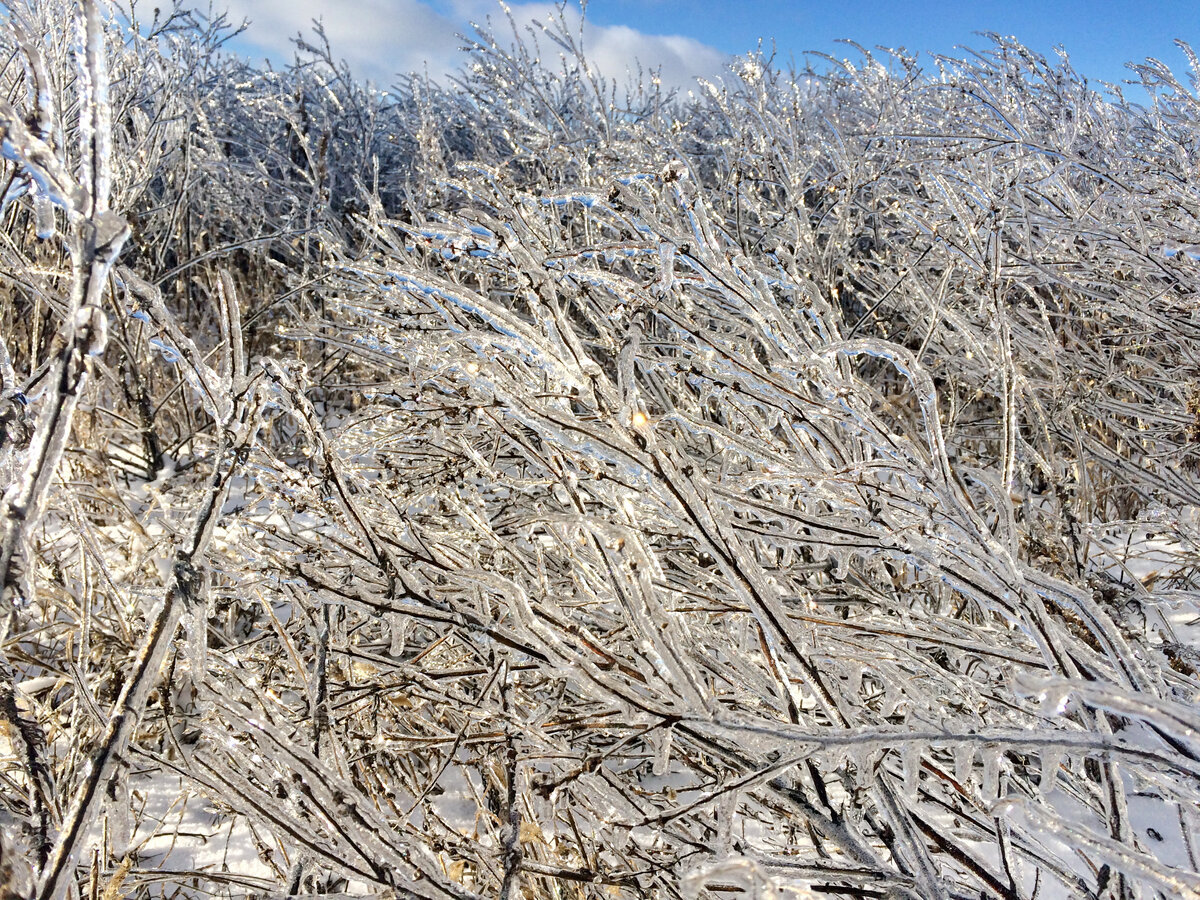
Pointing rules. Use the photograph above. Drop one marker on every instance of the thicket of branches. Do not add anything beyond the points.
(532, 488)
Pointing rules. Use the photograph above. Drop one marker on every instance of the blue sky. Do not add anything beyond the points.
(696, 37)
(1099, 36)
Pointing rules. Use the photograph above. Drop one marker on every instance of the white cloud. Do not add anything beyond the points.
(381, 38)
(616, 49)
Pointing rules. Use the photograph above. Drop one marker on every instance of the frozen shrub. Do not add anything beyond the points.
(518, 488)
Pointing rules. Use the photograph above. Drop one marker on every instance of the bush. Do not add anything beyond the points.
(519, 489)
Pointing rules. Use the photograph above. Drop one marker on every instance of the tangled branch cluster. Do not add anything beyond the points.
(524, 488)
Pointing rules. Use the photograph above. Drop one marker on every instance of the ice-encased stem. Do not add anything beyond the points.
(96, 239)
(183, 592)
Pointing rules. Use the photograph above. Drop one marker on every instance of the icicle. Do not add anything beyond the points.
(195, 623)
(397, 633)
(119, 817)
(964, 761)
(910, 767)
(864, 764)
(666, 251)
(662, 751)
(726, 812)
(852, 671)
(43, 214)
(543, 800)
(1051, 760)
(990, 787)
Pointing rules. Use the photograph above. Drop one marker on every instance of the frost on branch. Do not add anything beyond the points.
(567, 491)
